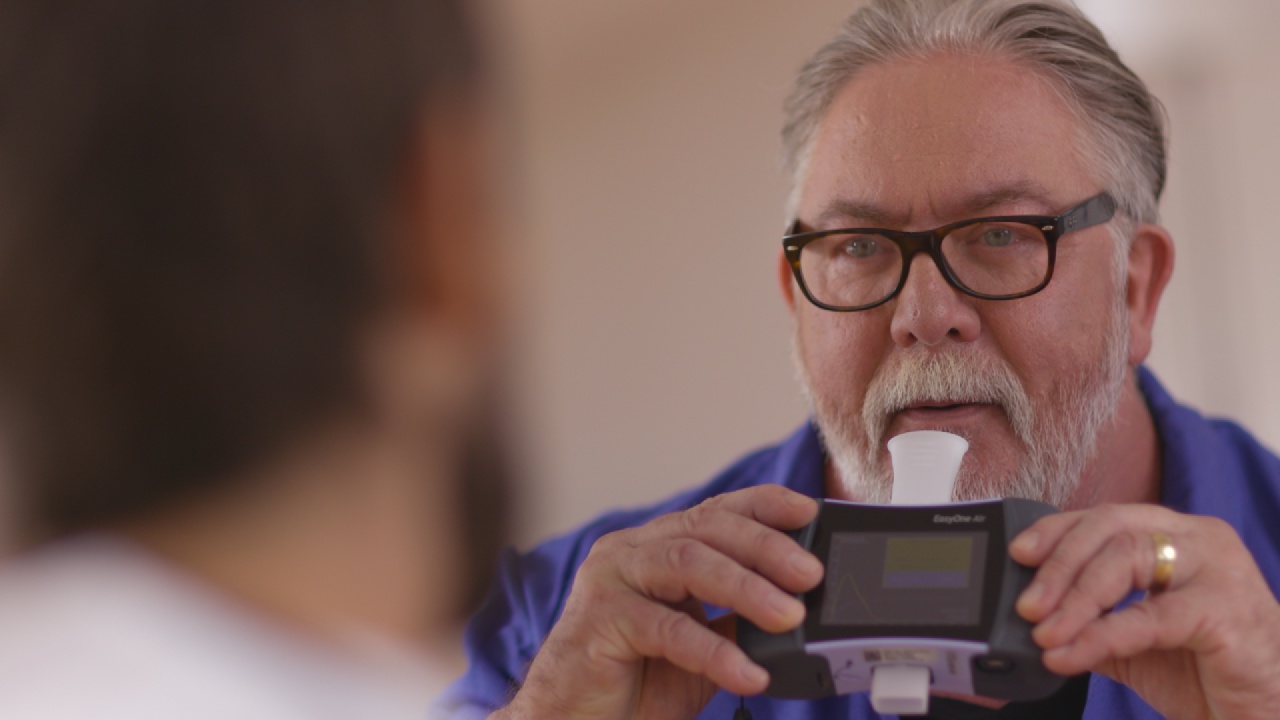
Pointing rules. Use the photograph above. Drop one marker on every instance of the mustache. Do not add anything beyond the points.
(960, 377)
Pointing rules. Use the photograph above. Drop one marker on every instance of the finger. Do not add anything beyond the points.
(676, 569)
(1106, 579)
(1134, 630)
(1034, 544)
(771, 505)
(771, 553)
(657, 631)
(1068, 543)
(1130, 562)
(1042, 546)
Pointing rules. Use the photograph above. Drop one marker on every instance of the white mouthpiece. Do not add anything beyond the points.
(925, 463)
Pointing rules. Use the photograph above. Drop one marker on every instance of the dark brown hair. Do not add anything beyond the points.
(193, 199)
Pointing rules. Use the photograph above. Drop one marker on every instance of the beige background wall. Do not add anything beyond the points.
(653, 346)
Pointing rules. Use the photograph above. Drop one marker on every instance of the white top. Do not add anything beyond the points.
(98, 628)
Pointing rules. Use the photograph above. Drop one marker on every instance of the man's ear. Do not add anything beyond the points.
(1150, 265)
(786, 282)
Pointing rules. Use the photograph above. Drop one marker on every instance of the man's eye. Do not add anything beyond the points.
(860, 247)
(997, 237)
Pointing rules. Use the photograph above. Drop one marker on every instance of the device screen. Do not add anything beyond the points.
(905, 579)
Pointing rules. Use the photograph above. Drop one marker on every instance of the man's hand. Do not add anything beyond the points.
(1207, 647)
(633, 641)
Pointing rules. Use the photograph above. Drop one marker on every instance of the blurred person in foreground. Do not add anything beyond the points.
(942, 152)
(246, 314)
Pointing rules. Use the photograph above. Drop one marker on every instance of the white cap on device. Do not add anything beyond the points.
(900, 690)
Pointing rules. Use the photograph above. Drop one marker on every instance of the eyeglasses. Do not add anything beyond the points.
(992, 258)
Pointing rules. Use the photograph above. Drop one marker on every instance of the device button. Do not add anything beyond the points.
(994, 665)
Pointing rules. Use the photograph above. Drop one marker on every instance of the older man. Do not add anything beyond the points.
(973, 248)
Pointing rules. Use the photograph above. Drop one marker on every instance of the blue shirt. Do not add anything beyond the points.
(1210, 467)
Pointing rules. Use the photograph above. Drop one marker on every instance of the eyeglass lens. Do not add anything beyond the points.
(990, 258)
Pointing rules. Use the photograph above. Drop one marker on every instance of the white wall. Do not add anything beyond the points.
(653, 346)
(1217, 68)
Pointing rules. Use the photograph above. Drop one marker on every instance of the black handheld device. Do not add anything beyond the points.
(929, 588)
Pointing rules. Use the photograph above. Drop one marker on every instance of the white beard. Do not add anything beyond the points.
(1058, 436)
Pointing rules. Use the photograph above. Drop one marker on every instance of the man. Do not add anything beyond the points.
(1025, 334)
(246, 307)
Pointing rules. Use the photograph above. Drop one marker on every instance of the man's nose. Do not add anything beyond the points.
(931, 312)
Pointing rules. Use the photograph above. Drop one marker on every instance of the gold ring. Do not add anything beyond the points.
(1166, 555)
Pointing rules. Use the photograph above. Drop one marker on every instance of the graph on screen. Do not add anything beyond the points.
(877, 578)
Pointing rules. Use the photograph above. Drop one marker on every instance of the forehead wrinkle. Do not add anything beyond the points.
(848, 210)
(1023, 196)
(1024, 193)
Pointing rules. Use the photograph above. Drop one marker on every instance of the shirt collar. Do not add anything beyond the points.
(1195, 461)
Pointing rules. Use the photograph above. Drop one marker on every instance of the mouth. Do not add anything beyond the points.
(936, 415)
(935, 406)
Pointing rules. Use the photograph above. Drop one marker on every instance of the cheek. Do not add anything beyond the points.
(1051, 338)
(841, 351)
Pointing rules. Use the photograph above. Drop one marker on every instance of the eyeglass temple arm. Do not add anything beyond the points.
(1095, 212)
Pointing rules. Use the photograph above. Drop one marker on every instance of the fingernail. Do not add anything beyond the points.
(805, 564)
(1031, 596)
(1057, 652)
(798, 500)
(786, 606)
(1026, 542)
(754, 674)
(1044, 631)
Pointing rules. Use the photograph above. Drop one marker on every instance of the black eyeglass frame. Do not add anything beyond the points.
(1099, 209)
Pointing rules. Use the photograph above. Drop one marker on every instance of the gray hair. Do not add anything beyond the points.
(1122, 123)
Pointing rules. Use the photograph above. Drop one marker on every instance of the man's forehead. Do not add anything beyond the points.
(939, 139)
(1015, 196)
